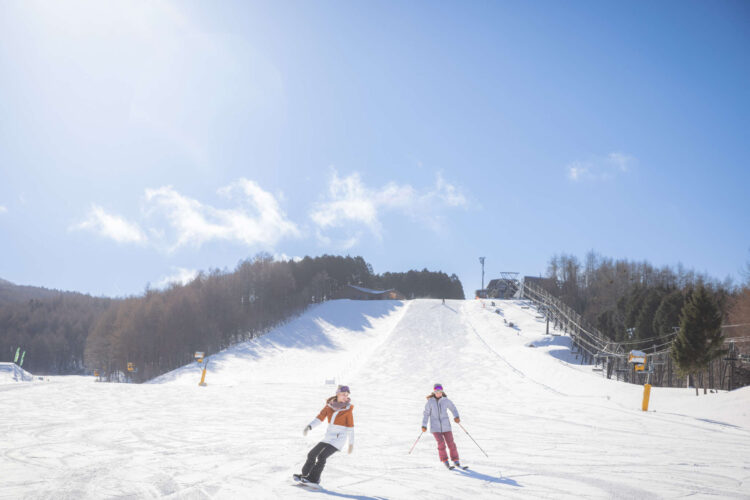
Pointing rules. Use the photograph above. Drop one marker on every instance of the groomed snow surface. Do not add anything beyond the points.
(551, 428)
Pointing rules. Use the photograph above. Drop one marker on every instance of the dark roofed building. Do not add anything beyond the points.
(504, 287)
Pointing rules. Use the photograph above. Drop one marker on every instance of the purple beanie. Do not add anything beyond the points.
(343, 388)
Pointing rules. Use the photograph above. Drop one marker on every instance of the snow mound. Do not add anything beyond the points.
(322, 344)
(11, 373)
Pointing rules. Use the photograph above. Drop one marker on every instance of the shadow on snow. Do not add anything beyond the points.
(564, 354)
(309, 330)
(341, 495)
(446, 306)
(490, 479)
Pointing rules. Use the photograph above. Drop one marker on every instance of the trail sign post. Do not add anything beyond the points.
(199, 358)
(638, 359)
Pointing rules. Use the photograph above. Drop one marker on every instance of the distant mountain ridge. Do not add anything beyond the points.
(10, 293)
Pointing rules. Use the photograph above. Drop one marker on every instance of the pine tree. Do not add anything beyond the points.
(644, 322)
(700, 339)
(667, 315)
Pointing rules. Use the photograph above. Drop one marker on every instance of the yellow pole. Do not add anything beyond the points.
(203, 377)
(646, 395)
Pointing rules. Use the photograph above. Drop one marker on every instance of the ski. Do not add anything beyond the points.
(458, 466)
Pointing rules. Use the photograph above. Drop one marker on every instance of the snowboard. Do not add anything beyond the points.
(309, 486)
(305, 484)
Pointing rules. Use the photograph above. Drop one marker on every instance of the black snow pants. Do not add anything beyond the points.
(316, 460)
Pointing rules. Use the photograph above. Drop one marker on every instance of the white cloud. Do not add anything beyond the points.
(350, 201)
(180, 276)
(350, 204)
(600, 168)
(3, 209)
(173, 220)
(257, 218)
(176, 220)
(278, 257)
(576, 170)
(620, 161)
(449, 193)
(111, 226)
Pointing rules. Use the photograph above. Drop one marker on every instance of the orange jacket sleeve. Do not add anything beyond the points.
(324, 413)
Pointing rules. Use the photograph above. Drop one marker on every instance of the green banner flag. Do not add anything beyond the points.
(23, 356)
(18, 351)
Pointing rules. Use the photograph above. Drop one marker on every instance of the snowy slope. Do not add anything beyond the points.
(552, 429)
(327, 342)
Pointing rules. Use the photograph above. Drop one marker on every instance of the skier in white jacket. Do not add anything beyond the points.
(339, 412)
(436, 410)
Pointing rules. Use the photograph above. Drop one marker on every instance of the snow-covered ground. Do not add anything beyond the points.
(551, 428)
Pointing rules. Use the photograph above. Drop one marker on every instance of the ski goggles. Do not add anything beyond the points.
(438, 387)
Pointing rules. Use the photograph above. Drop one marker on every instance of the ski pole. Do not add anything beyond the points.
(467, 433)
(415, 443)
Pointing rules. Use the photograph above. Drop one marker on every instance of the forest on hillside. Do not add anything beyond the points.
(161, 329)
(635, 300)
(12, 293)
(699, 325)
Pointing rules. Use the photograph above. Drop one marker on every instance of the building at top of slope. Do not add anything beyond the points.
(504, 287)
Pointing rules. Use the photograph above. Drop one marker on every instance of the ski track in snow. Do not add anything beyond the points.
(551, 428)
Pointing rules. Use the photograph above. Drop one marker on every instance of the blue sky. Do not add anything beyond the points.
(141, 141)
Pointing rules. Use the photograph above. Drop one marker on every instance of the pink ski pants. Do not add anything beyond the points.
(442, 438)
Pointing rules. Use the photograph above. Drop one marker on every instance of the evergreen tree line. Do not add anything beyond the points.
(629, 301)
(161, 329)
(423, 284)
